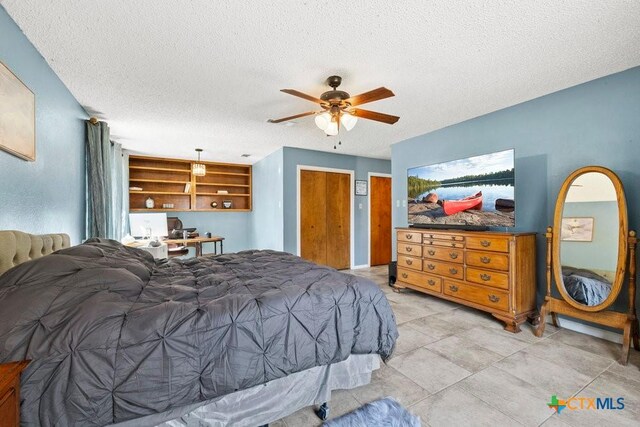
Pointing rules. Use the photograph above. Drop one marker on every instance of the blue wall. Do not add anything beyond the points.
(594, 123)
(361, 165)
(267, 223)
(47, 195)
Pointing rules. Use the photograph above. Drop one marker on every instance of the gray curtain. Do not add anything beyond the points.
(107, 184)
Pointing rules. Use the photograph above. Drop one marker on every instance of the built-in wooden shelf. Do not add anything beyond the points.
(173, 193)
(159, 169)
(159, 180)
(219, 184)
(222, 195)
(165, 181)
(189, 210)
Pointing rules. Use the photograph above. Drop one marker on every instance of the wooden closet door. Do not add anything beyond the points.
(338, 202)
(380, 194)
(313, 216)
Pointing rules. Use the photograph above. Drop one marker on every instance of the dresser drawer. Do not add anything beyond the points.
(489, 243)
(488, 260)
(477, 294)
(445, 237)
(440, 268)
(409, 262)
(444, 243)
(425, 281)
(410, 236)
(409, 249)
(489, 278)
(443, 253)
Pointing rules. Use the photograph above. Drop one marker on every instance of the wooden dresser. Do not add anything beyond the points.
(10, 393)
(490, 271)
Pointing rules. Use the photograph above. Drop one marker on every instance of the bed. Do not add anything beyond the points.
(116, 337)
(586, 286)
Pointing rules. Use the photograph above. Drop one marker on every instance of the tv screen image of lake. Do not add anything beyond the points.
(476, 191)
(422, 211)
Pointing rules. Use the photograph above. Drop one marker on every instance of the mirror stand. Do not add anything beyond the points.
(628, 321)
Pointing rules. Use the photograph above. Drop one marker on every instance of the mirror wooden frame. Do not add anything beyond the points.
(599, 314)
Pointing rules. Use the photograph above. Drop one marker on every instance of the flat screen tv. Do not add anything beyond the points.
(474, 193)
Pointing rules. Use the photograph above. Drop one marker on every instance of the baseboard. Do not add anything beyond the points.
(357, 267)
(588, 329)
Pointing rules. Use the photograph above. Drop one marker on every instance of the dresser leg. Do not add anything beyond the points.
(510, 324)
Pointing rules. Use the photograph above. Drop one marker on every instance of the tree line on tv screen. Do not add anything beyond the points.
(417, 186)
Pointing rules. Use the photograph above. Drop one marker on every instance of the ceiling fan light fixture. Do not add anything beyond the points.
(198, 169)
(348, 120)
(323, 120)
(332, 128)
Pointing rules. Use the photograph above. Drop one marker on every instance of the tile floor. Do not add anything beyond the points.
(456, 366)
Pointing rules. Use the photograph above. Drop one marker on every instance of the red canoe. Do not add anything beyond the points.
(451, 207)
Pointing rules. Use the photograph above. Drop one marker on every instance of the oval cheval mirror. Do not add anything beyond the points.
(589, 249)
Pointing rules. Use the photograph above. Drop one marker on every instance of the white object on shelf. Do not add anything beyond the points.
(158, 252)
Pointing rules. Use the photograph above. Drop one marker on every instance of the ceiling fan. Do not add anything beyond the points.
(338, 107)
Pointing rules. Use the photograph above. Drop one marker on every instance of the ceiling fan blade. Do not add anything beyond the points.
(372, 95)
(304, 96)
(373, 115)
(284, 119)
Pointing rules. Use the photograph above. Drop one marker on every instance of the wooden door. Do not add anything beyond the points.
(313, 216)
(380, 194)
(338, 202)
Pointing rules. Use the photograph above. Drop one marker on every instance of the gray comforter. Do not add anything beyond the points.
(114, 335)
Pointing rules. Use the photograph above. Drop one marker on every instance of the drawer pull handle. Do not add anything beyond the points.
(431, 282)
(408, 261)
(405, 275)
(453, 255)
(453, 237)
(485, 243)
(409, 248)
(453, 245)
(494, 298)
(453, 288)
(485, 277)
(409, 236)
(431, 266)
(485, 260)
(453, 270)
(431, 252)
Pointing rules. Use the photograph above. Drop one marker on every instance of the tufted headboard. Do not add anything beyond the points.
(17, 247)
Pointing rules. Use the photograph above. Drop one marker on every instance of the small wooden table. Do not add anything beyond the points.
(197, 243)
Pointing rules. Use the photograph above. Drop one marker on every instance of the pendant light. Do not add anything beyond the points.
(199, 169)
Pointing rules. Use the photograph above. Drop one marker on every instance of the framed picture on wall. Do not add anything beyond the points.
(577, 229)
(361, 187)
(17, 116)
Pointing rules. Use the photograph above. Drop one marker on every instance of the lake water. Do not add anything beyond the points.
(490, 193)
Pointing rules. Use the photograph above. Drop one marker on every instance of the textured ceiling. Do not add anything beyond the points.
(170, 76)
